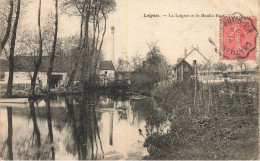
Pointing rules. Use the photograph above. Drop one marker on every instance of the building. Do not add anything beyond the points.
(107, 72)
(215, 76)
(183, 70)
(24, 71)
(62, 65)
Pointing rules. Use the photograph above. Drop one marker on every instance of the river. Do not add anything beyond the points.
(90, 126)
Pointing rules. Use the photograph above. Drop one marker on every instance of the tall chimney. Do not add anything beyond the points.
(185, 52)
(113, 44)
(194, 63)
(195, 66)
(143, 63)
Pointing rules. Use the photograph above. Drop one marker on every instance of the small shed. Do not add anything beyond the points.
(106, 72)
(183, 70)
(107, 69)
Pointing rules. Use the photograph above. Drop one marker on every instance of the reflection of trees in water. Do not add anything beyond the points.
(122, 115)
(8, 144)
(85, 135)
(49, 139)
(33, 147)
(35, 140)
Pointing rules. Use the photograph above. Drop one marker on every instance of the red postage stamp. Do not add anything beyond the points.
(238, 38)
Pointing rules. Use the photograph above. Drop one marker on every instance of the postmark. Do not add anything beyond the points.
(238, 37)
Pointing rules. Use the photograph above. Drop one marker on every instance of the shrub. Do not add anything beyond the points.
(222, 125)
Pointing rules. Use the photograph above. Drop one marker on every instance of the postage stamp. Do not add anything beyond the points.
(238, 37)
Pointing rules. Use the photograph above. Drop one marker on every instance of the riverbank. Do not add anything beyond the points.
(42, 94)
(221, 123)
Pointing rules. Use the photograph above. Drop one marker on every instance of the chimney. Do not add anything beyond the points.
(185, 52)
(113, 43)
(143, 63)
(194, 65)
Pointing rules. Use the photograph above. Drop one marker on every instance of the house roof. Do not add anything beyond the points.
(61, 64)
(25, 64)
(106, 65)
(180, 60)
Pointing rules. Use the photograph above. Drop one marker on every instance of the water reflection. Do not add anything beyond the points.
(85, 139)
(7, 149)
(92, 126)
(35, 139)
(50, 134)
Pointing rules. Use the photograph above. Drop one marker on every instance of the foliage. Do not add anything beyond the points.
(93, 28)
(223, 125)
(154, 69)
(123, 65)
(220, 66)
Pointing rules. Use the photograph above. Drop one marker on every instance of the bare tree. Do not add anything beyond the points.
(78, 51)
(8, 28)
(38, 61)
(52, 56)
(94, 16)
(12, 47)
(136, 61)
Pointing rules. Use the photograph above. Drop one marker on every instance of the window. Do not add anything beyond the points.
(105, 72)
(186, 69)
(2, 76)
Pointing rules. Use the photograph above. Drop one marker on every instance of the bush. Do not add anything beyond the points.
(222, 125)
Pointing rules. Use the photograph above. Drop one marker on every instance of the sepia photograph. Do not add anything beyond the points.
(129, 79)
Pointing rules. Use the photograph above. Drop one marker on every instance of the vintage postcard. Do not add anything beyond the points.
(129, 79)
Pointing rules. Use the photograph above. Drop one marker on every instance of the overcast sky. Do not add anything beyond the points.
(174, 34)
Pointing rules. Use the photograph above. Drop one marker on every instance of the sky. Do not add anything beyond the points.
(173, 34)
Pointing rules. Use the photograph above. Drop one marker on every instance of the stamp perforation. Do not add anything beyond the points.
(251, 54)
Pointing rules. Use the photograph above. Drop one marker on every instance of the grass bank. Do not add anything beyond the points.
(222, 122)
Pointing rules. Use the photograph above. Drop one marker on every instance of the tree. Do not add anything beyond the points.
(220, 66)
(52, 56)
(123, 65)
(136, 61)
(38, 60)
(120, 64)
(156, 63)
(12, 47)
(154, 69)
(77, 50)
(93, 22)
(242, 64)
(8, 28)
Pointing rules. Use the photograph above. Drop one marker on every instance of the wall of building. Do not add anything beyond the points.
(184, 72)
(106, 77)
(24, 78)
(110, 74)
